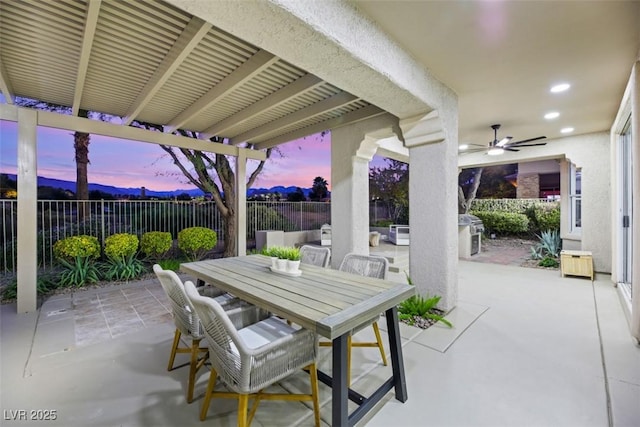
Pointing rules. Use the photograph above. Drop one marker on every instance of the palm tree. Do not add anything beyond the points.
(319, 188)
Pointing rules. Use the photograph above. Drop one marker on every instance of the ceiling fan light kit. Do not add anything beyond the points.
(496, 148)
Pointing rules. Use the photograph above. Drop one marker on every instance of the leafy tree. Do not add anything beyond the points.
(213, 174)
(468, 183)
(296, 196)
(491, 182)
(183, 197)
(390, 184)
(496, 182)
(319, 188)
(7, 185)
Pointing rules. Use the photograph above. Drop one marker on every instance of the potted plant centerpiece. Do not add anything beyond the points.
(284, 259)
(293, 259)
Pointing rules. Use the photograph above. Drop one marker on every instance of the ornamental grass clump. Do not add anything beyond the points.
(195, 242)
(155, 244)
(77, 256)
(121, 250)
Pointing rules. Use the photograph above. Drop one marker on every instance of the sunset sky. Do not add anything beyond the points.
(124, 163)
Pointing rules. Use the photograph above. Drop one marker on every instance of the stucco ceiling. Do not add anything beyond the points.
(501, 58)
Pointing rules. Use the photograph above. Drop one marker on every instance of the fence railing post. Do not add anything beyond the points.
(102, 221)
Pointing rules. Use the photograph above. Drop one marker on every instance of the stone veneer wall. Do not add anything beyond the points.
(528, 186)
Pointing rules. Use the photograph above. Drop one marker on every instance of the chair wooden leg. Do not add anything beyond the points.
(243, 406)
(213, 375)
(349, 361)
(174, 348)
(195, 348)
(313, 373)
(376, 330)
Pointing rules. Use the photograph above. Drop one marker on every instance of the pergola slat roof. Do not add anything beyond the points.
(149, 61)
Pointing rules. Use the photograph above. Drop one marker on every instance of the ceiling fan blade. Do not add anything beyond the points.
(509, 149)
(504, 141)
(529, 145)
(473, 150)
(527, 140)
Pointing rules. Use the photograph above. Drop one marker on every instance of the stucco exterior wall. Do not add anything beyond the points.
(591, 153)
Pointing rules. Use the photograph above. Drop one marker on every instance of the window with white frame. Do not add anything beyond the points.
(575, 198)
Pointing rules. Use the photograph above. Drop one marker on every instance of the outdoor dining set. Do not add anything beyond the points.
(260, 328)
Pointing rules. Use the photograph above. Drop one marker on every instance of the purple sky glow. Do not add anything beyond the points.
(125, 163)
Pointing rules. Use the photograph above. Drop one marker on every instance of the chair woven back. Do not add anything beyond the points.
(365, 265)
(222, 337)
(314, 255)
(184, 316)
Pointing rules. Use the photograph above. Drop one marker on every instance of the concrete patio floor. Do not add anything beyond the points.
(527, 348)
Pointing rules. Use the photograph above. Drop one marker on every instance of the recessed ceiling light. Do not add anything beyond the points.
(560, 87)
(567, 130)
(552, 115)
(463, 147)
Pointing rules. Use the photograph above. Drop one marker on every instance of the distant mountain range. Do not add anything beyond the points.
(119, 191)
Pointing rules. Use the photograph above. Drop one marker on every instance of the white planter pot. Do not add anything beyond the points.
(274, 261)
(293, 266)
(281, 264)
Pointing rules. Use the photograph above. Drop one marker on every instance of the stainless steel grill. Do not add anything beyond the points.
(476, 227)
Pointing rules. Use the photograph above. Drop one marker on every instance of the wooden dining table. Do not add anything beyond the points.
(329, 302)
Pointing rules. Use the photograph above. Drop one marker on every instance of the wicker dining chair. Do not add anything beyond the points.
(369, 266)
(252, 358)
(314, 255)
(188, 324)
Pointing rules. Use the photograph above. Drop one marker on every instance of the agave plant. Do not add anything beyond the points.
(549, 246)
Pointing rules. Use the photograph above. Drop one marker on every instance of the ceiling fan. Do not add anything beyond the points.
(497, 147)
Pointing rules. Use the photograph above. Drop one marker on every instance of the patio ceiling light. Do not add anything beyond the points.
(552, 115)
(463, 147)
(495, 151)
(561, 87)
(567, 130)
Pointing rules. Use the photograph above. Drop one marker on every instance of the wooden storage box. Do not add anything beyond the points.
(576, 263)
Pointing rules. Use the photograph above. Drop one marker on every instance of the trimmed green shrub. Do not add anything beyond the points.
(122, 264)
(195, 242)
(543, 217)
(121, 245)
(155, 244)
(82, 246)
(503, 222)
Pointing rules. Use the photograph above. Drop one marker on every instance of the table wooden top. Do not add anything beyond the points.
(329, 302)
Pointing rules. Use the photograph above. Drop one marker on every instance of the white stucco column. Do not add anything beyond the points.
(241, 204)
(349, 196)
(27, 268)
(352, 148)
(433, 209)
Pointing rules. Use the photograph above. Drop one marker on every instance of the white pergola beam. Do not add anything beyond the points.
(193, 33)
(5, 84)
(90, 25)
(59, 121)
(336, 101)
(252, 67)
(297, 88)
(352, 117)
